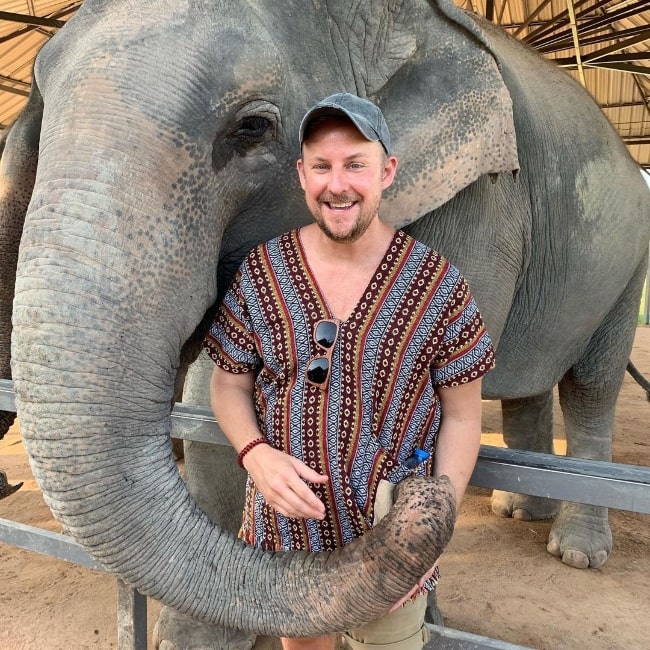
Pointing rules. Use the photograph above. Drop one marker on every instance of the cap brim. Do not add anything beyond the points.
(363, 126)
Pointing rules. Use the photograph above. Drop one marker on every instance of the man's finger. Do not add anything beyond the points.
(309, 474)
(293, 505)
(307, 501)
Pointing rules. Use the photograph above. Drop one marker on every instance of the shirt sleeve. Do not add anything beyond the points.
(466, 352)
(230, 342)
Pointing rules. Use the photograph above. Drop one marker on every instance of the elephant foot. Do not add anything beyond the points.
(175, 631)
(6, 489)
(433, 614)
(581, 536)
(522, 506)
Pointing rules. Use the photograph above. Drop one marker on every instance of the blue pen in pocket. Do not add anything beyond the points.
(416, 458)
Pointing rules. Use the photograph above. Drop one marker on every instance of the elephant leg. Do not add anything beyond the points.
(581, 535)
(217, 484)
(176, 631)
(527, 424)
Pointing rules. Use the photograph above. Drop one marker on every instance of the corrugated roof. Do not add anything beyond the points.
(20, 40)
(604, 44)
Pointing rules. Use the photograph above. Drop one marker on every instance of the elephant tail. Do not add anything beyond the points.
(6, 489)
(639, 378)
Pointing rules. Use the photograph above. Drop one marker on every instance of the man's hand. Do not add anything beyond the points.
(278, 476)
(281, 480)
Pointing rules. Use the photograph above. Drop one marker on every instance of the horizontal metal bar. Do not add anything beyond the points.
(446, 638)
(45, 542)
(614, 485)
(594, 482)
(590, 468)
(7, 398)
(188, 422)
(196, 423)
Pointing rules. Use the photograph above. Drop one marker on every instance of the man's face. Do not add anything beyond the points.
(343, 176)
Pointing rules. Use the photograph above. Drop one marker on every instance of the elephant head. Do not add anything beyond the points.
(168, 139)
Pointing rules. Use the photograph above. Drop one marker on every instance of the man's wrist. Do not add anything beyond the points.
(251, 445)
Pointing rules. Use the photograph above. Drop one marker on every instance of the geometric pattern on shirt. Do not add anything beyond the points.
(416, 328)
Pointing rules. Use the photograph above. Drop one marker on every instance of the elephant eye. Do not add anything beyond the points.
(254, 128)
(254, 125)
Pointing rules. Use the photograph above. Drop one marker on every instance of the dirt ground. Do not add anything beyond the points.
(498, 580)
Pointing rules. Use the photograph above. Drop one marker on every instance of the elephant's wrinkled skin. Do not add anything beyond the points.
(167, 145)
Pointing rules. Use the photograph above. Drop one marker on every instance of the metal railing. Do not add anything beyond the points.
(614, 485)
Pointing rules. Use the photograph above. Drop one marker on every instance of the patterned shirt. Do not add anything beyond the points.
(415, 329)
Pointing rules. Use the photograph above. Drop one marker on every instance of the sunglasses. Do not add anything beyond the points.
(326, 332)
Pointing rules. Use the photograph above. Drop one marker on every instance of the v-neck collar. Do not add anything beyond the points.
(370, 293)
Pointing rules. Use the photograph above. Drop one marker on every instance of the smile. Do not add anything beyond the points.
(340, 206)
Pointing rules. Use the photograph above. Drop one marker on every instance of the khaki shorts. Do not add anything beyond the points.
(402, 629)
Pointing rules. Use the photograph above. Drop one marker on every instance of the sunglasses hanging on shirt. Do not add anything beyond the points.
(326, 332)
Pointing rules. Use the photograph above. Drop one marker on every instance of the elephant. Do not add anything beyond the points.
(158, 146)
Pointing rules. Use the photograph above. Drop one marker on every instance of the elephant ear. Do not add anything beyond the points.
(449, 111)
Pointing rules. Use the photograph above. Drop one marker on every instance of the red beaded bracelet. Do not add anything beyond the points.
(247, 448)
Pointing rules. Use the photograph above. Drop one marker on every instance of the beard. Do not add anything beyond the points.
(366, 215)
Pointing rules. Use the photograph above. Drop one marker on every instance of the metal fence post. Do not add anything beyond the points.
(131, 618)
(646, 311)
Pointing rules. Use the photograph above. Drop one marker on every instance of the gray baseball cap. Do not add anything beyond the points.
(365, 115)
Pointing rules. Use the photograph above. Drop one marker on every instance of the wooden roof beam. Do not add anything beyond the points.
(32, 26)
(606, 107)
(617, 47)
(17, 82)
(636, 139)
(571, 62)
(533, 15)
(576, 42)
(594, 24)
(504, 4)
(567, 43)
(622, 67)
(561, 20)
(13, 90)
(31, 20)
(489, 10)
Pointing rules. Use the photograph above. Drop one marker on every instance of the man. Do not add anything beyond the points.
(344, 349)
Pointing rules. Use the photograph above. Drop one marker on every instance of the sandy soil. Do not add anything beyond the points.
(498, 579)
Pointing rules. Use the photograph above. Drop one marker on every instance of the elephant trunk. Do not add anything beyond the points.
(96, 343)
